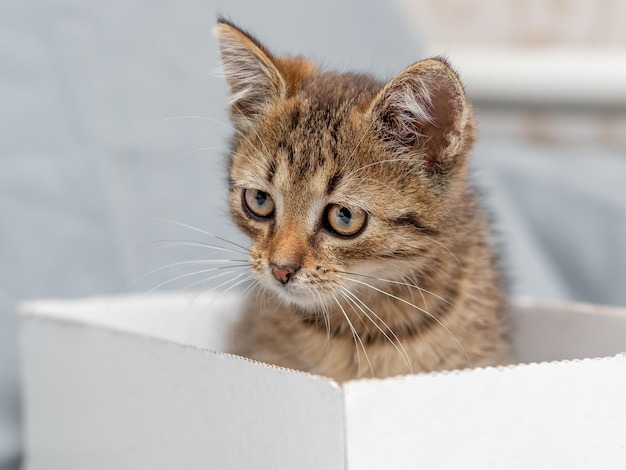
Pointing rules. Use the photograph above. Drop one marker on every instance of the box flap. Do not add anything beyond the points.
(539, 416)
(193, 319)
(101, 399)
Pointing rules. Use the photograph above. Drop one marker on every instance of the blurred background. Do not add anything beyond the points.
(113, 130)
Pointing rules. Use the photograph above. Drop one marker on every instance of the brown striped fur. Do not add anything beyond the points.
(418, 288)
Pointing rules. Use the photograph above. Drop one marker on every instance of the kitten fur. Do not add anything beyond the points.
(417, 288)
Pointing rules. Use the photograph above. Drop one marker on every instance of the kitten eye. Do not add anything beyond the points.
(259, 203)
(343, 221)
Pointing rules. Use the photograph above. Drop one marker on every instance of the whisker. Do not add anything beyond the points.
(365, 132)
(195, 273)
(421, 310)
(238, 283)
(326, 315)
(388, 187)
(160, 245)
(258, 300)
(401, 350)
(357, 314)
(356, 337)
(199, 230)
(250, 287)
(255, 133)
(213, 289)
(173, 242)
(391, 281)
(323, 311)
(411, 287)
(209, 279)
(201, 118)
(456, 258)
(421, 292)
(184, 263)
(201, 149)
(217, 121)
(379, 162)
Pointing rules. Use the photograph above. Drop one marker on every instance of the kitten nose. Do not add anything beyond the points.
(284, 272)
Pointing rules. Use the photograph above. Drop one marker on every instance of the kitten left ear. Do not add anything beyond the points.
(251, 72)
(256, 77)
(423, 111)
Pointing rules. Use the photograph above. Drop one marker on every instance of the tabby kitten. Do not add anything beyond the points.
(371, 248)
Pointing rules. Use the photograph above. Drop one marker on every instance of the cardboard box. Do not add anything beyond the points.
(138, 382)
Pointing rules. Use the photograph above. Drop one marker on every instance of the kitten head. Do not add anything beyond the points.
(338, 178)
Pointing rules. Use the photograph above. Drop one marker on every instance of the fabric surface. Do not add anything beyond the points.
(560, 215)
(111, 113)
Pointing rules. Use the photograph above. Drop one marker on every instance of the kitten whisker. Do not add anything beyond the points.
(255, 132)
(201, 149)
(183, 263)
(217, 121)
(195, 273)
(250, 287)
(430, 315)
(357, 314)
(221, 292)
(258, 297)
(199, 230)
(200, 282)
(456, 258)
(326, 316)
(379, 182)
(231, 287)
(356, 337)
(200, 118)
(410, 285)
(399, 347)
(356, 147)
(213, 289)
(389, 160)
(421, 292)
(163, 244)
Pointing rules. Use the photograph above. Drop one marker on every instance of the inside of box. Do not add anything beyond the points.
(194, 319)
(539, 331)
(543, 331)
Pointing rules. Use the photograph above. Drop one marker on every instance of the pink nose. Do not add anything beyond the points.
(284, 272)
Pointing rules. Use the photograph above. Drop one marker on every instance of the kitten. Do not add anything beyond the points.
(371, 248)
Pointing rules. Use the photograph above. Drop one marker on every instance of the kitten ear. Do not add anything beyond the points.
(423, 111)
(251, 71)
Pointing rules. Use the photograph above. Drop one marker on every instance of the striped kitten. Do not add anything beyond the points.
(370, 246)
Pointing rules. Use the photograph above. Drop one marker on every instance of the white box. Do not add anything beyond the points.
(137, 382)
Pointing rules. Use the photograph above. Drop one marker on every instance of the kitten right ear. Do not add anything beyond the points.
(423, 112)
(252, 73)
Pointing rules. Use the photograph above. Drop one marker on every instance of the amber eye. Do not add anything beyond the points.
(259, 203)
(343, 221)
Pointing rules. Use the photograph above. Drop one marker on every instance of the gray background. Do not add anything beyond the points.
(92, 144)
